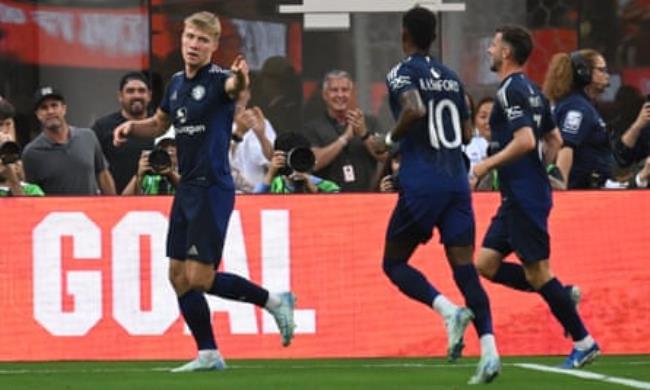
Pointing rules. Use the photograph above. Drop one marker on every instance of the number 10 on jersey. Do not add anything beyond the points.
(437, 134)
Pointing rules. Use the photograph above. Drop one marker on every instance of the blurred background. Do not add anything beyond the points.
(84, 46)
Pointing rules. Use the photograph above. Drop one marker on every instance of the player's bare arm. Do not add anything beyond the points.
(412, 109)
(239, 80)
(151, 127)
(523, 141)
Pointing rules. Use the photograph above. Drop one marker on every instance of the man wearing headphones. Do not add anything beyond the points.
(573, 82)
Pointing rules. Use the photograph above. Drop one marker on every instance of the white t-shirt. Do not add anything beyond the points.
(476, 149)
(248, 157)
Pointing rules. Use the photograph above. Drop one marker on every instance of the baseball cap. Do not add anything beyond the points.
(46, 92)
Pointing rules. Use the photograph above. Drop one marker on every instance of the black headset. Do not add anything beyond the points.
(581, 71)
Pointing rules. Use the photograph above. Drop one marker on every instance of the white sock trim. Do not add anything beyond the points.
(444, 306)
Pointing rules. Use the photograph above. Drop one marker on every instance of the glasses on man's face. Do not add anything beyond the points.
(602, 69)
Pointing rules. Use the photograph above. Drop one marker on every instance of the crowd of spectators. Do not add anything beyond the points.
(344, 141)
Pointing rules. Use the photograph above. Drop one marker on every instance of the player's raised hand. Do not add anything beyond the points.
(121, 133)
(240, 68)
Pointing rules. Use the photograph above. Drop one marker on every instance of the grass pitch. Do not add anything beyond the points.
(608, 372)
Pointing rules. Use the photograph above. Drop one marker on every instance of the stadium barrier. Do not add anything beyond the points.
(86, 279)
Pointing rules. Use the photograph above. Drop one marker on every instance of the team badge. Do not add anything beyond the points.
(198, 92)
(572, 122)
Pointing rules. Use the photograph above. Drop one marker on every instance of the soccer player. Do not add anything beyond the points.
(428, 102)
(199, 102)
(520, 121)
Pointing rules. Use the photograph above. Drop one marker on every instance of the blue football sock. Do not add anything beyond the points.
(410, 281)
(234, 287)
(196, 312)
(512, 275)
(476, 299)
(558, 299)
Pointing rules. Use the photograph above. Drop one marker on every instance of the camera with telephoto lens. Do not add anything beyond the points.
(301, 159)
(9, 152)
(159, 160)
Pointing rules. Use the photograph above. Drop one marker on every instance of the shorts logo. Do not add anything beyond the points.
(193, 251)
(572, 122)
(198, 92)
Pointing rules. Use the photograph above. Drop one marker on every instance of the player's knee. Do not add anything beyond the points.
(391, 268)
(486, 269)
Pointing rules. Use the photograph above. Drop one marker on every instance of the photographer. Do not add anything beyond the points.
(634, 146)
(11, 168)
(157, 172)
(290, 166)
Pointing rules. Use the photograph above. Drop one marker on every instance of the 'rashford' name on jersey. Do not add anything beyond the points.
(431, 149)
(202, 113)
(524, 181)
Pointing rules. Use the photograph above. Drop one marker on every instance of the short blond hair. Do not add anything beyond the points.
(206, 22)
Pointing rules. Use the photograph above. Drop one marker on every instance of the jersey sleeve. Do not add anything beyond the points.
(574, 126)
(164, 103)
(516, 108)
(401, 79)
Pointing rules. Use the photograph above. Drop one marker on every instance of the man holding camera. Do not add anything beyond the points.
(64, 159)
(134, 96)
(11, 169)
(157, 172)
(290, 168)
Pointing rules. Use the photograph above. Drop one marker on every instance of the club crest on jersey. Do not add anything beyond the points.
(572, 122)
(181, 115)
(198, 92)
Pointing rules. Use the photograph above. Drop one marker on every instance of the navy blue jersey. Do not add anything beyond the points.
(524, 181)
(585, 131)
(202, 113)
(431, 149)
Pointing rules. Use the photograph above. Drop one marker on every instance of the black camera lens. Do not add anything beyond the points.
(9, 152)
(301, 159)
(159, 160)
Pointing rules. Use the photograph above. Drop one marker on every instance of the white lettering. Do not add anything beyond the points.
(127, 298)
(190, 130)
(84, 286)
(276, 268)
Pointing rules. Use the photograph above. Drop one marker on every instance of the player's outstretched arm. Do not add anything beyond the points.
(151, 127)
(523, 141)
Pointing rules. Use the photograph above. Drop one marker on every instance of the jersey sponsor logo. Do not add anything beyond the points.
(399, 82)
(514, 112)
(181, 115)
(572, 122)
(198, 92)
(190, 130)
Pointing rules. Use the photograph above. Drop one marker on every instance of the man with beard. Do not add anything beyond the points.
(522, 123)
(573, 82)
(134, 97)
(64, 159)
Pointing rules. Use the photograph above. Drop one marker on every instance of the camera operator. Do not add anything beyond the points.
(11, 168)
(634, 146)
(572, 83)
(157, 172)
(290, 168)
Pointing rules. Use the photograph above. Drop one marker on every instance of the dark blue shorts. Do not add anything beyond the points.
(511, 230)
(198, 223)
(415, 216)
